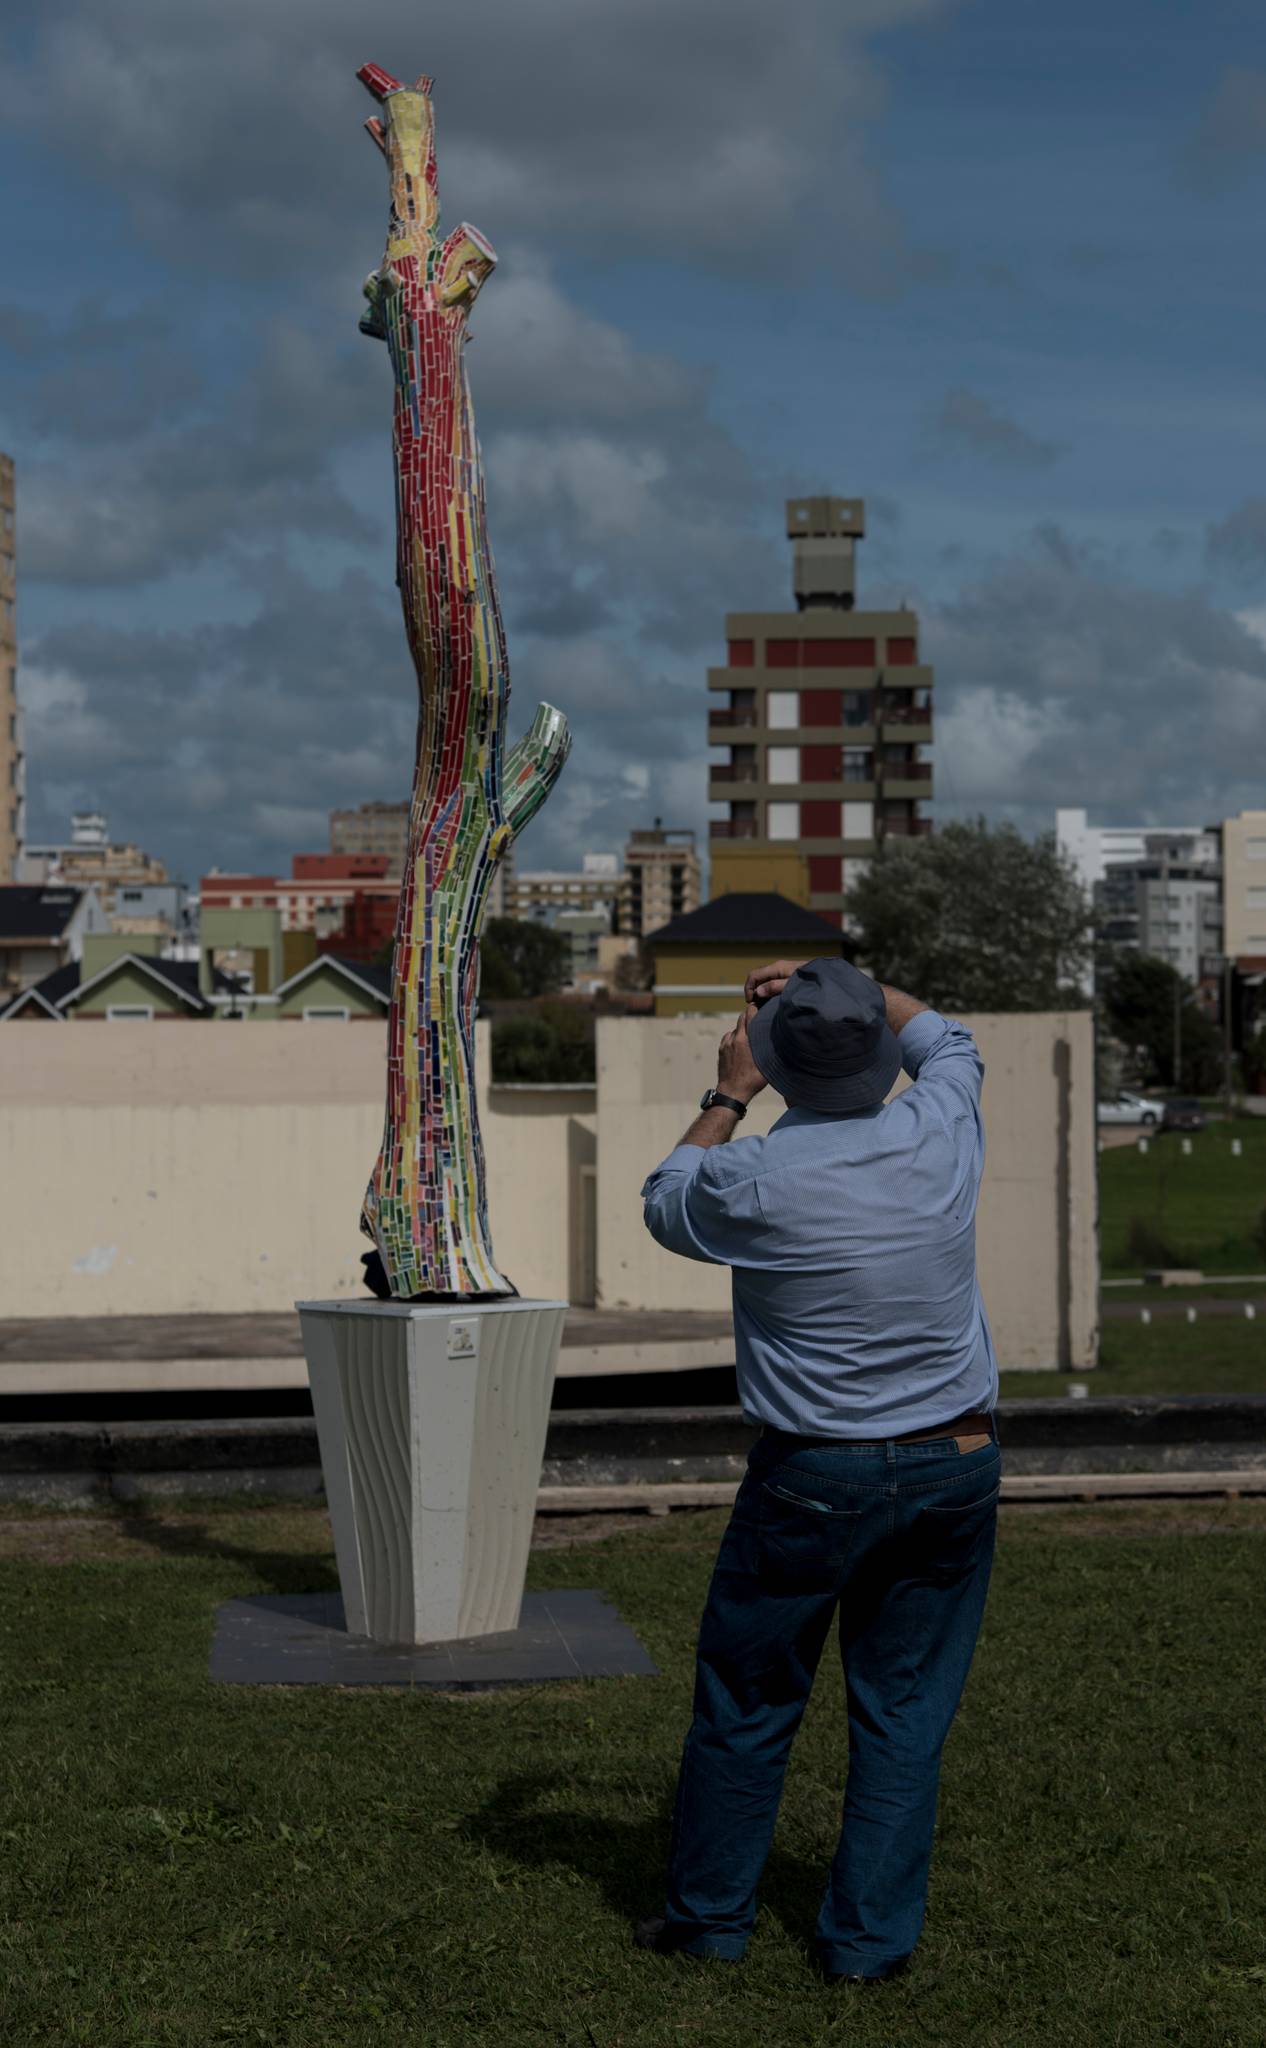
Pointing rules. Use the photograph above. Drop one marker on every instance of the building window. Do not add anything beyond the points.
(826, 874)
(901, 652)
(782, 710)
(742, 653)
(783, 764)
(819, 819)
(839, 653)
(857, 707)
(822, 707)
(1255, 849)
(317, 1013)
(821, 764)
(129, 1013)
(782, 654)
(859, 819)
(783, 821)
(857, 765)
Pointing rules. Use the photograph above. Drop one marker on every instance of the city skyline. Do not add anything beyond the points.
(1010, 310)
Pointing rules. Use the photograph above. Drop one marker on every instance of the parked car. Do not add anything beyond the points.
(1183, 1114)
(1131, 1109)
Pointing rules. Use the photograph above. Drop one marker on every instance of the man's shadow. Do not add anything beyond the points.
(624, 1859)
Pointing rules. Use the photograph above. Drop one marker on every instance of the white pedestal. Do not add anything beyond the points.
(432, 1423)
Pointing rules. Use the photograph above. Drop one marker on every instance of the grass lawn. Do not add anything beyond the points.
(1205, 1206)
(188, 1864)
(1214, 1355)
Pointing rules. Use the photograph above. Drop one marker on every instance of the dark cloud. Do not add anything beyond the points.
(1238, 542)
(1229, 139)
(687, 133)
(965, 420)
(1061, 680)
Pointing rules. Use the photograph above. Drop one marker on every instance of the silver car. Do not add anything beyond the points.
(1131, 1109)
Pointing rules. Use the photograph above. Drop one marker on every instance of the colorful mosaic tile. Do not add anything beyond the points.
(426, 1208)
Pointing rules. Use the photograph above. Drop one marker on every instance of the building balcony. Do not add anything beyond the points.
(905, 771)
(733, 828)
(917, 677)
(726, 721)
(905, 828)
(728, 772)
(907, 715)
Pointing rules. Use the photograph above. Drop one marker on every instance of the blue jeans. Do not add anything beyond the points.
(900, 1538)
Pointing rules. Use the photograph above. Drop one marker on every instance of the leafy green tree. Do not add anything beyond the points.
(521, 958)
(1149, 1006)
(552, 1043)
(975, 917)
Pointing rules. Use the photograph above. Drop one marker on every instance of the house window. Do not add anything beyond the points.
(782, 710)
(129, 1013)
(783, 821)
(318, 1012)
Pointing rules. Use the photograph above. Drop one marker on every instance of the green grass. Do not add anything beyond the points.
(189, 1864)
(1144, 1292)
(1214, 1355)
(1206, 1204)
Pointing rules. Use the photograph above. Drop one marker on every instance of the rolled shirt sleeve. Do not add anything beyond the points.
(702, 1202)
(941, 1057)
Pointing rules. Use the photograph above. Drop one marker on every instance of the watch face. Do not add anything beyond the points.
(705, 1100)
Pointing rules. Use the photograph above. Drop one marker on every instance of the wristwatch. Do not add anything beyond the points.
(712, 1098)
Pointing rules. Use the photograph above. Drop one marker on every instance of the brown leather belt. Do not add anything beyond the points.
(970, 1432)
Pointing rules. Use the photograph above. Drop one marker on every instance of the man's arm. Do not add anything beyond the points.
(712, 1227)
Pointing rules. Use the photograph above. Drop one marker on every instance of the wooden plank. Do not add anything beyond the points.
(1034, 1486)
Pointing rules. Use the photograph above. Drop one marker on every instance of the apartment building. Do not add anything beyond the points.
(12, 764)
(1157, 889)
(373, 828)
(543, 893)
(825, 715)
(1244, 890)
(661, 879)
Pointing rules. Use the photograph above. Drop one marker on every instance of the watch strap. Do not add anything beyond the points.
(715, 1100)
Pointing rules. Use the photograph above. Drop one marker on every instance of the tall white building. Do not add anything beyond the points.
(1156, 888)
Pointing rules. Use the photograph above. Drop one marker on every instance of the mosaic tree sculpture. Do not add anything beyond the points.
(426, 1207)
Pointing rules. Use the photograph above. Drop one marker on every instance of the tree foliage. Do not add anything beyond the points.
(1148, 1005)
(521, 958)
(553, 1043)
(975, 917)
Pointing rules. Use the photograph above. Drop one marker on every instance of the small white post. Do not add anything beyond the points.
(1191, 1315)
(1145, 1315)
(1186, 1146)
(1236, 1148)
(1249, 1311)
(1142, 1144)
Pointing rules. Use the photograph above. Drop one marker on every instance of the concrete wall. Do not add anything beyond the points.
(151, 1170)
(1037, 1238)
(194, 1168)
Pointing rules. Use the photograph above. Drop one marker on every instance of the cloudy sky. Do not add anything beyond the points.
(994, 266)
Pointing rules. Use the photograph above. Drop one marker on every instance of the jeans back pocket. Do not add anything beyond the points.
(805, 1537)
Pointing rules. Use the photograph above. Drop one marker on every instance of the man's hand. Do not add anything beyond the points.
(764, 982)
(737, 1072)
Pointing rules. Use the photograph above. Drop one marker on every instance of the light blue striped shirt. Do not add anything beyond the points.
(852, 1239)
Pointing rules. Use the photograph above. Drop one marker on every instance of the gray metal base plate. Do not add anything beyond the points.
(300, 1639)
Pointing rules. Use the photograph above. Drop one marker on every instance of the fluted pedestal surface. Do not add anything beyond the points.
(432, 1423)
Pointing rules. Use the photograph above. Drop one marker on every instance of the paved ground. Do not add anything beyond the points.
(44, 1339)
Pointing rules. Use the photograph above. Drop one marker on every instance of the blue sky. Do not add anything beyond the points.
(994, 267)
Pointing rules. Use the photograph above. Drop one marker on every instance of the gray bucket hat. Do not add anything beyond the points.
(824, 1042)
